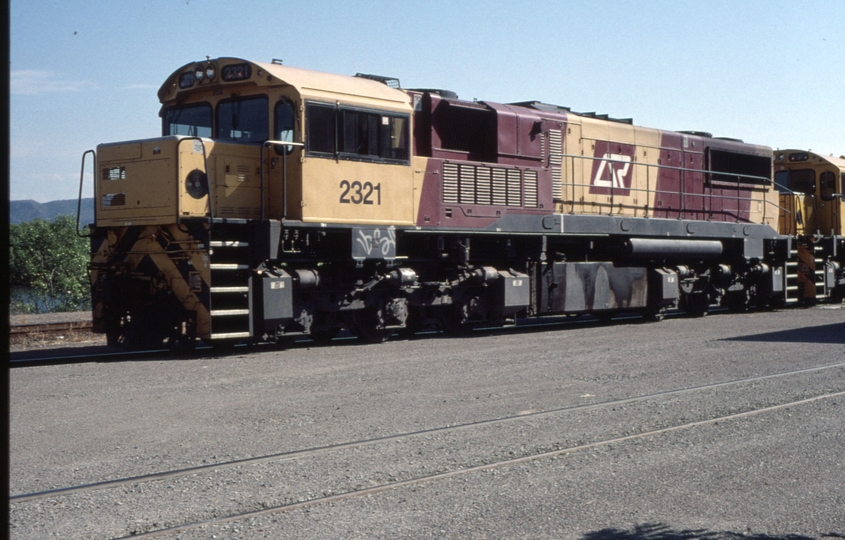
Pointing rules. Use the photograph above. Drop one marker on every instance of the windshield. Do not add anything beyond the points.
(191, 120)
(244, 120)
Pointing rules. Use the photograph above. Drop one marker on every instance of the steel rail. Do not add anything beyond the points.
(49, 328)
(315, 451)
(472, 469)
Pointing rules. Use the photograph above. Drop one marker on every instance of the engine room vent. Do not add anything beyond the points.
(114, 199)
(530, 187)
(114, 173)
(489, 186)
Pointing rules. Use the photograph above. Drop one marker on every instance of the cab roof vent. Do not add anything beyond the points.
(392, 82)
(698, 133)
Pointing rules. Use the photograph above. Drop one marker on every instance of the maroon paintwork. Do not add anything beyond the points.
(494, 135)
(515, 141)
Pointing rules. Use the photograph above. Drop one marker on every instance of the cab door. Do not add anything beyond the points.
(829, 214)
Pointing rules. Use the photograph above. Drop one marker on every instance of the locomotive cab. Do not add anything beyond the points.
(811, 187)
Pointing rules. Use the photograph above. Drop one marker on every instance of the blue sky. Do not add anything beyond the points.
(772, 73)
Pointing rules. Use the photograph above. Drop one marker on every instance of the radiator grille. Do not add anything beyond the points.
(114, 199)
(450, 183)
(500, 188)
(490, 186)
(530, 186)
(514, 188)
(114, 173)
(483, 193)
(557, 184)
(467, 183)
(555, 147)
(555, 161)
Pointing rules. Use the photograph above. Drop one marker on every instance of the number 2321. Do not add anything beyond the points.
(358, 193)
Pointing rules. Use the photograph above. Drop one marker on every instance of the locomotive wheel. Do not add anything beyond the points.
(654, 314)
(413, 324)
(452, 323)
(324, 336)
(367, 325)
(697, 305)
(737, 301)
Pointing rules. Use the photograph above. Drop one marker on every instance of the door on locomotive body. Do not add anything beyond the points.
(802, 182)
(570, 169)
(282, 163)
(828, 213)
(790, 212)
(357, 166)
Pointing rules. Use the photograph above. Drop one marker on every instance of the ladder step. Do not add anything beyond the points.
(792, 263)
(228, 312)
(231, 335)
(792, 288)
(229, 266)
(228, 243)
(229, 289)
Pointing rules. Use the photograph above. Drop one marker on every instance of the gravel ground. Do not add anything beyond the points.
(770, 475)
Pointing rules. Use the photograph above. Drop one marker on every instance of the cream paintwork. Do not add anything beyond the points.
(322, 190)
(824, 217)
(305, 83)
(236, 194)
(582, 135)
(145, 203)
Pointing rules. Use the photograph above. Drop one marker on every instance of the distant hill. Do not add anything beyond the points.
(22, 211)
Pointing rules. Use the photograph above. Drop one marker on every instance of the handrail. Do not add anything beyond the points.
(79, 199)
(207, 180)
(284, 174)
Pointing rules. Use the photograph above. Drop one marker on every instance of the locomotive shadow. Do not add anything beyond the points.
(658, 531)
(829, 333)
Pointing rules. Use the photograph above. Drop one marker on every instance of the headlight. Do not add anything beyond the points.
(209, 72)
(199, 73)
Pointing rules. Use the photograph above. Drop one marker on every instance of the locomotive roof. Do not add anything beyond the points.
(835, 161)
(307, 82)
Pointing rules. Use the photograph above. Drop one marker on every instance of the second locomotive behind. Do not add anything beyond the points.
(280, 202)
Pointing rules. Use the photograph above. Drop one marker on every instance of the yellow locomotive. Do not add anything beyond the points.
(281, 202)
(811, 187)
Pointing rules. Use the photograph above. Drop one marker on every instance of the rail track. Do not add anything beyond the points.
(50, 328)
(38, 356)
(365, 492)
(496, 458)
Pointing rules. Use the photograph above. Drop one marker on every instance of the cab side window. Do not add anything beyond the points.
(355, 134)
(803, 181)
(285, 123)
(782, 181)
(827, 185)
(322, 127)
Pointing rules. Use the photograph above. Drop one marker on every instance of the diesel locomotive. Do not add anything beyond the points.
(282, 202)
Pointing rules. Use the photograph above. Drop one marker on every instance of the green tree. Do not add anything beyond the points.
(48, 266)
